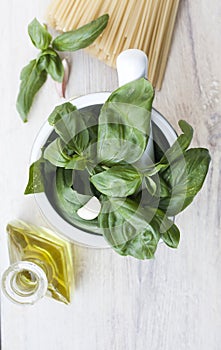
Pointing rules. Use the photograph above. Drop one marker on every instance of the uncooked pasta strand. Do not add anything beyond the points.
(167, 44)
(151, 24)
(141, 29)
(145, 24)
(63, 15)
(160, 34)
(111, 10)
(52, 7)
(51, 12)
(115, 27)
(117, 43)
(77, 13)
(162, 39)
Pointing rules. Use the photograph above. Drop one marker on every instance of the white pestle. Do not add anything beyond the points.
(132, 64)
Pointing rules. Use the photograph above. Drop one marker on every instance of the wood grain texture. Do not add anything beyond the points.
(172, 302)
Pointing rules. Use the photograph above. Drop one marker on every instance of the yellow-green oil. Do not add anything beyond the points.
(46, 249)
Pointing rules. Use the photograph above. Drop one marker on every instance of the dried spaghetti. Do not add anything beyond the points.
(146, 24)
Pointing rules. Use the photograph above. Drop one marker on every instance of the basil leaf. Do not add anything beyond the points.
(126, 229)
(39, 35)
(69, 124)
(84, 124)
(119, 139)
(78, 200)
(154, 169)
(51, 62)
(76, 162)
(172, 236)
(66, 205)
(43, 62)
(81, 37)
(87, 120)
(27, 70)
(55, 154)
(35, 181)
(118, 181)
(175, 151)
(184, 178)
(32, 80)
(168, 230)
(139, 93)
(151, 186)
(55, 68)
(48, 52)
(60, 111)
(73, 131)
(122, 137)
(164, 188)
(180, 145)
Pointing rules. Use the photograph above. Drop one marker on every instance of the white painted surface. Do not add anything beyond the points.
(170, 303)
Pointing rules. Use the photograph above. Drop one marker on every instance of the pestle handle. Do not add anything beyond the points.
(132, 64)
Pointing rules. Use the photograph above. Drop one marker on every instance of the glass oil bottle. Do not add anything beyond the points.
(41, 264)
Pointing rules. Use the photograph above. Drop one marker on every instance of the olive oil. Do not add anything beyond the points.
(46, 249)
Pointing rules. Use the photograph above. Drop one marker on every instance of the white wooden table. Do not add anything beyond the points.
(170, 303)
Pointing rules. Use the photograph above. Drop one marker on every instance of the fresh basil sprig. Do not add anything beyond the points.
(136, 204)
(34, 75)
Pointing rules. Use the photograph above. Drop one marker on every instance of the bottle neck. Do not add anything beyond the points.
(24, 282)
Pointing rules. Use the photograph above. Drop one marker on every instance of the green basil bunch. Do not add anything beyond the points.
(34, 75)
(136, 203)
